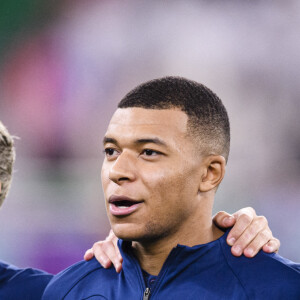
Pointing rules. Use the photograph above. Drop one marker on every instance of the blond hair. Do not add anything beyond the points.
(7, 158)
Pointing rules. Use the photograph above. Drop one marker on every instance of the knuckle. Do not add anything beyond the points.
(277, 241)
(98, 245)
(266, 220)
(265, 235)
(218, 216)
(256, 225)
(245, 218)
(260, 221)
(251, 232)
(220, 213)
(247, 236)
(263, 220)
(251, 209)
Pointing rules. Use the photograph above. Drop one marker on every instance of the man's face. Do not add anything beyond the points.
(150, 174)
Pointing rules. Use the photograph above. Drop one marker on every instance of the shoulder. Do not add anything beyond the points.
(265, 274)
(75, 273)
(87, 273)
(25, 283)
(7, 271)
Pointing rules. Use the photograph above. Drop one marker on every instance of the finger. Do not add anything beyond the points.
(110, 247)
(115, 257)
(100, 253)
(112, 253)
(244, 217)
(257, 229)
(223, 220)
(111, 236)
(258, 242)
(88, 255)
(272, 246)
(114, 240)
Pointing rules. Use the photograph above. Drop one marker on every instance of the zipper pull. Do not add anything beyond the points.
(147, 294)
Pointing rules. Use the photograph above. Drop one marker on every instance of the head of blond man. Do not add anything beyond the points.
(7, 158)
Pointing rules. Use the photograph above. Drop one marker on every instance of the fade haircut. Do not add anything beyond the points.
(207, 117)
(7, 158)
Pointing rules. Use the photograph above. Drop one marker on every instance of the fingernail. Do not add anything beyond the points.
(228, 220)
(118, 268)
(105, 263)
(231, 241)
(249, 251)
(268, 248)
(237, 250)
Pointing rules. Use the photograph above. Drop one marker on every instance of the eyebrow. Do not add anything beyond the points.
(156, 141)
(150, 140)
(109, 140)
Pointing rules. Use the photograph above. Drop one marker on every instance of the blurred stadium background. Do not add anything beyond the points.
(65, 64)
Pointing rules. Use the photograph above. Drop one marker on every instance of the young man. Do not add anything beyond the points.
(166, 149)
(16, 283)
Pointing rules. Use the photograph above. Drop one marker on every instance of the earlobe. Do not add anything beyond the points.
(213, 173)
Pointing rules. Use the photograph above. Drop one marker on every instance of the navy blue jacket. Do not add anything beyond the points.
(23, 284)
(206, 271)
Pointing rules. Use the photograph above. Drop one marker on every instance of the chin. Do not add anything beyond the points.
(127, 232)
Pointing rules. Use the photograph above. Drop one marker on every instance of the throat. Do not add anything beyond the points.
(152, 255)
(151, 259)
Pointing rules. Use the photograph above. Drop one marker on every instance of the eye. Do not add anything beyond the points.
(149, 152)
(110, 152)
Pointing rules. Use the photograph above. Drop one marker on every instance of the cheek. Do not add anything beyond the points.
(155, 177)
(165, 183)
(104, 178)
(176, 184)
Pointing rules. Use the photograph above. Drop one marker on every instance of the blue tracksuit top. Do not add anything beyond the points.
(206, 271)
(23, 284)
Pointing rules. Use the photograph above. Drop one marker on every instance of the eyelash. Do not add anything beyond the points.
(107, 150)
(150, 150)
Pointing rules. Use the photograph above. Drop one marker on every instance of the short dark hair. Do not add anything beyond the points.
(207, 116)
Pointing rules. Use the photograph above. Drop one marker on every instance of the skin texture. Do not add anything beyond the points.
(130, 171)
(250, 232)
(151, 158)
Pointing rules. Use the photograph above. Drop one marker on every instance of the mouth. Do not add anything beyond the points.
(122, 205)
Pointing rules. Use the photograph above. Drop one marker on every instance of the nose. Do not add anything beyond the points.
(122, 170)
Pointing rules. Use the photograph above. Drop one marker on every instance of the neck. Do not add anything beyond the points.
(152, 255)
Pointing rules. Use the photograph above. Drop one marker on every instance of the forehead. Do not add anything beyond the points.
(170, 123)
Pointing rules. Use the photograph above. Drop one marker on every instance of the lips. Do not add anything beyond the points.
(122, 205)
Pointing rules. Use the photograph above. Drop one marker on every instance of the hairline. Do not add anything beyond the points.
(191, 133)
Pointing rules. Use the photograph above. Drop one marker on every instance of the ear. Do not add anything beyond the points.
(213, 172)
